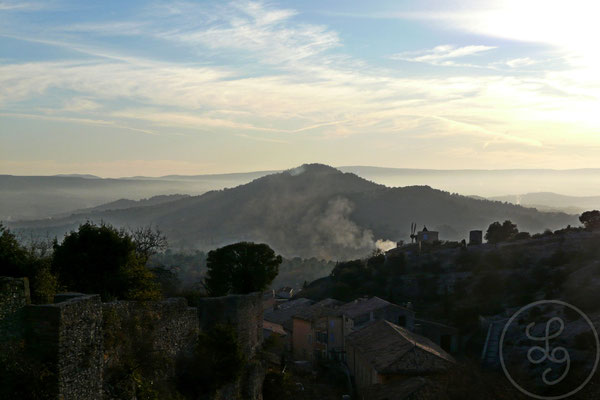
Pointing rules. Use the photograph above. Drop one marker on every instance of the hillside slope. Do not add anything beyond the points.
(313, 210)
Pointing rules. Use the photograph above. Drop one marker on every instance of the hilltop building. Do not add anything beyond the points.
(427, 236)
(475, 238)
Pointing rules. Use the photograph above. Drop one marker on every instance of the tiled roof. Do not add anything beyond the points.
(317, 311)
(362, 306)
(328, 302)
(391, 349)
(439, 327)
(275, 328)
(285, 311)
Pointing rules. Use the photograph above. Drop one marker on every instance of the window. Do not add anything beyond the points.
(321, 337)
(331, 338)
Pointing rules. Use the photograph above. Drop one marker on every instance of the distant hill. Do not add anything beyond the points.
(232, 177)
(488, 183)
(313, 210)
(85, 176)
(34, 197)
(545, 201)
(122, 204)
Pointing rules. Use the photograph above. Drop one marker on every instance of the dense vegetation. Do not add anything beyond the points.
(456, 284)
(104, 260)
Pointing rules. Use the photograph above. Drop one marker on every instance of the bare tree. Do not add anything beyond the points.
(148, 241)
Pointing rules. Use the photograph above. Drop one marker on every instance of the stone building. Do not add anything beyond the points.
(363, 310)
(283, 313)
(383, 353)
(318, 333)
(427, 236)
(475, 238)
(447, 337)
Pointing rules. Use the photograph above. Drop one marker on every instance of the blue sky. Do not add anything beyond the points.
(119, 88)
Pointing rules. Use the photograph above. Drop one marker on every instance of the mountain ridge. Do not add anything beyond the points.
(313, 210)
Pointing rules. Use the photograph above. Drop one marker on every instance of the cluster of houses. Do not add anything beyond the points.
(381, 343)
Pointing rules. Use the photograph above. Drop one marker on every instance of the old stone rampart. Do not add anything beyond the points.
(79, 336)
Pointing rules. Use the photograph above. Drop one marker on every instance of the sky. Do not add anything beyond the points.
(118, 88)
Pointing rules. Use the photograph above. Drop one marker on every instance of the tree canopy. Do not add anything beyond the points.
(241, 268)
(102, 259)
(32, 262)
(13, 257)
(591, 219)
(501, 232)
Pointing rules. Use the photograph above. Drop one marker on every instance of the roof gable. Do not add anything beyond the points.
(392, 349)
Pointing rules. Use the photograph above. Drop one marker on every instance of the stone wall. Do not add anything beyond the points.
(69, 336)
(82, 339)
(78, 335)
(243, 312)
(156, 331)
(14, 296)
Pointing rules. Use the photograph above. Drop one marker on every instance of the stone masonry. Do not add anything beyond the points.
(69, 334)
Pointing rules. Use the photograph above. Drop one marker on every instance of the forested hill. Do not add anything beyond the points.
(313, 210)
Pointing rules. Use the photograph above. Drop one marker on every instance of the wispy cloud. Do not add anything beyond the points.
(441, 55)
(266, 34)
(86, 121)
(256, 71)
(520, 62)
(22, 6)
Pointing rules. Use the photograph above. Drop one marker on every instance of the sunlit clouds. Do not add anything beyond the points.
(253, 85)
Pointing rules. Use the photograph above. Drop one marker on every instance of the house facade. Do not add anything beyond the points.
(318, 333)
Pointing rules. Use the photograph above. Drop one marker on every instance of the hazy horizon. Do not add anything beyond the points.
(347, 168)
(469, 182)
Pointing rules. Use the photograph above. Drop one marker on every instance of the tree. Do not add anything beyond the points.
(241, 268)
(148, 242)
(13, 257)
(498, 232)
(104, 260)
(18, 261)
(591, 219)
